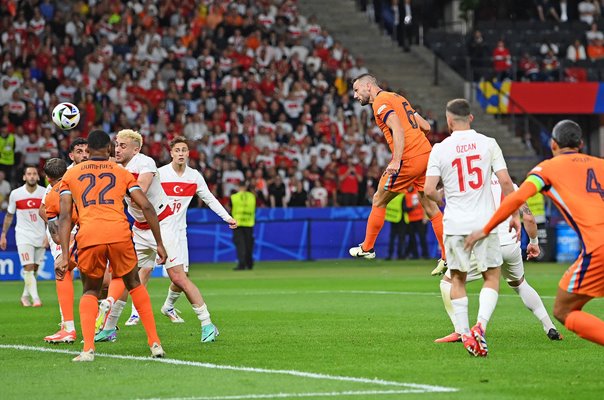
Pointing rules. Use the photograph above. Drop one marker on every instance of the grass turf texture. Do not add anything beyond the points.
(346, 318)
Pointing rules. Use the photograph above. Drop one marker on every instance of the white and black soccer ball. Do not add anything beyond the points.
(66, 116)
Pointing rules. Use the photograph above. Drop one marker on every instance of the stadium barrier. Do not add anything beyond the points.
(302, 234)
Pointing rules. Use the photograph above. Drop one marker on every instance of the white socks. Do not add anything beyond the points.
(533, 302)
(203, 314)
(171, 299)
(460, 310)
(134, 312)
(114, 314)
(445, 292)
(31, 285)
(69, 326)
(488, 301)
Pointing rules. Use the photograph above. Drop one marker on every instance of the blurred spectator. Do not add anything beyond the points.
(548, 45)
(528, 68)
(417, 226)
(7, 153)
(595, 49)
(349, 176)
(576, 51)
(589, 11)
(277, 192)
(318, 196)
(551, 66)
(594, 33)
(502, 61)
(5, 189)
(546, 9)
(479, 54)
(298, 196)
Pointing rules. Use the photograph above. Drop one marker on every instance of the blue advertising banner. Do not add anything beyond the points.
(280, 234)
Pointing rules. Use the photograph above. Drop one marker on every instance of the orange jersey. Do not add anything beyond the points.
(575, 183)
(385, 105)
(53, 207)
(98, 188)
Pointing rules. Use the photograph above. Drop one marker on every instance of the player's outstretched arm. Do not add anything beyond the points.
(141, 200)
(509, 205)
(530, 225)
(507, 187)
(66, 204)
(423, 124)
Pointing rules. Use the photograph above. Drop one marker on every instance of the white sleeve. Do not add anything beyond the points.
(12, 203)
(46, 191)
(148, 166)
(497, 160)
(433, 164)
(204, 194)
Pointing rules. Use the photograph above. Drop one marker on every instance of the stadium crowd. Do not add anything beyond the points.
(261, 92)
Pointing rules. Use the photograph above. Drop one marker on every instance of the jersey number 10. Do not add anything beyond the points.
(458, 164)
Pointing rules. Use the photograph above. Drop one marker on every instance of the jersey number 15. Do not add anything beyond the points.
(461, 177)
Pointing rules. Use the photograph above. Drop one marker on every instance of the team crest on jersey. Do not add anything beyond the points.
(382, 108)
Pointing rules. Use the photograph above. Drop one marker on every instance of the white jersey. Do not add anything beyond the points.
(140, 164)
(505, 236)
(181, 189)
(465, 161)
(30, 228)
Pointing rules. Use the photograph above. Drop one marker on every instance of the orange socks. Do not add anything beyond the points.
(375, 222)
(586, 325)
(116, 288)
(88, 310)
(437, 226)
(142, 302)
(65, 296)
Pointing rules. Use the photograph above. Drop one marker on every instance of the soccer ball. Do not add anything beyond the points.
(66, 116)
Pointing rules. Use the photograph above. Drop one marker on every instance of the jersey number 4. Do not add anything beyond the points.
(458, 164)
(92, 183)
(593, 186)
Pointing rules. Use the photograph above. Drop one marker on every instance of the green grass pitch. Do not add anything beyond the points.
(331, 329)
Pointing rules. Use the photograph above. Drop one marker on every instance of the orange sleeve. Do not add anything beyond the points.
(510, 203)
(382, 107)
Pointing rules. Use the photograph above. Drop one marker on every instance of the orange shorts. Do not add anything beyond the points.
(413, 172)
(92, 261)
(586, 275)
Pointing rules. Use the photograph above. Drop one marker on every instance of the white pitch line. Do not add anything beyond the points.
(294, 395)
(300, 374)
(367, 292)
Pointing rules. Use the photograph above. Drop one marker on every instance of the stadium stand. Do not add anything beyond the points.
(254, 85)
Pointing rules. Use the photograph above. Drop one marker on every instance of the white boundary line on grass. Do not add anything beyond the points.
(370, 292)
(295, 395)
(301, 374)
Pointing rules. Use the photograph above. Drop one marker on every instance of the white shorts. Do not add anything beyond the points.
(183, 248)
(55, 249)
(28, 254)
(487, 253)
(512, 269)
(146, 247)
